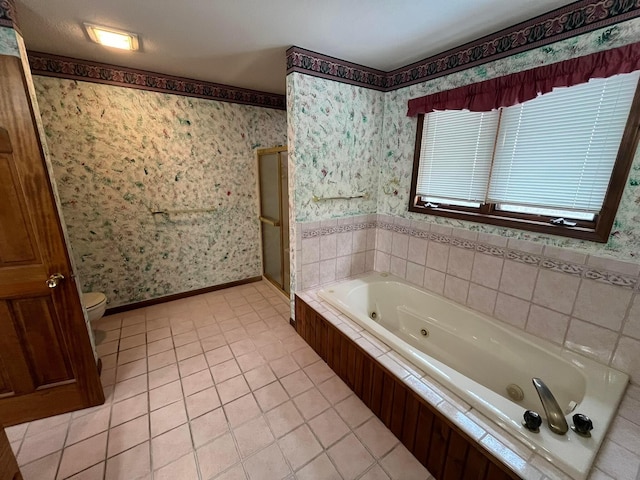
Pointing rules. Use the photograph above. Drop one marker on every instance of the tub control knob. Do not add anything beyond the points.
(532, 421)
(582, 425)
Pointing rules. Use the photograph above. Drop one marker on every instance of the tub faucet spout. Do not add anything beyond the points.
(555, 415)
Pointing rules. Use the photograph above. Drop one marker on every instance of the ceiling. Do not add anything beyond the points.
(243, 42)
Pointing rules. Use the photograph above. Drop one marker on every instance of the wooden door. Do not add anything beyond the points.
(47, 365)
(8, 465)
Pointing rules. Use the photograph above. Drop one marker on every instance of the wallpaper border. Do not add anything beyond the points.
(565, 22)
(88, 71)
(8, 16)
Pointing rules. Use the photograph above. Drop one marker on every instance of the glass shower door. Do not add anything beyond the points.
(272, 168)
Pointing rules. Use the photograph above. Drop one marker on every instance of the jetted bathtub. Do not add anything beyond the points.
(489, 364)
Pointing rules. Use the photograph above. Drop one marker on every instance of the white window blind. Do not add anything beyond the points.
(455, 155)
(559, 149)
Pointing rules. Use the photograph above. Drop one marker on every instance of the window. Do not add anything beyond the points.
(555, 164)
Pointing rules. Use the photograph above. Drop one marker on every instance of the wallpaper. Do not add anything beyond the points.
(119, 154)
(8, 42)
(334, 138)
(399, 138)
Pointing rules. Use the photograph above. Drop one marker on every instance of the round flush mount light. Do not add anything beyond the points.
(112, 37)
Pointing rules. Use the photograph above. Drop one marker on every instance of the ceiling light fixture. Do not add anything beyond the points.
(111, 37)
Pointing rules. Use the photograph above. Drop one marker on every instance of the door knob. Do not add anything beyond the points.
(54, 280)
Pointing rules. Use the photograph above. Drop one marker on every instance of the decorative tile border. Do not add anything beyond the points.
(574, 19)
(8, 14)
(548, 263)
(88, 71)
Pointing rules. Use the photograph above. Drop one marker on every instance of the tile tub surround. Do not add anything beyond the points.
(334, 249)
(120, 153)
(618, 458)
(216, 386)
(588, 304)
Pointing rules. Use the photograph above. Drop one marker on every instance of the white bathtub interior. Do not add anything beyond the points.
(478, 358)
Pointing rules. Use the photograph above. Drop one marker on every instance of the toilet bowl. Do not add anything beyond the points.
(95, 303)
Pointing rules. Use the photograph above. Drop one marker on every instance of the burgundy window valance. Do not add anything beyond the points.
(526, 85)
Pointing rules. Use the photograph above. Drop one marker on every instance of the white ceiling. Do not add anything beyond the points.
(243, 42)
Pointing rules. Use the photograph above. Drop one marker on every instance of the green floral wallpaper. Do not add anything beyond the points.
(334, 142)
(118, 154)
(399, 131)
(8, 42)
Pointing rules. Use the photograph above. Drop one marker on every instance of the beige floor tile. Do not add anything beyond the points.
(132, 341)
(305, 356)
(202, 402)
(318, 372)
(242, 347)
(241, 410)
(299, 446)
(213, 342)
(259, 377)
(268, 464)
(197, 382)
(192, 365)
(132, 354)
(82, 455)
(16, 432)
(109, 361)
(253, 436)
(163, 375)
(129, 409)
(167, 418)
(235, 335)
(350, 457)
(44, 468)
(284, 366)
(157, 334)
(189, 350)
(273, 351)
(180, 328)
(127, 435)
(159, 346)
(225, 370)
(334, 390)
(376, 437)
(234, 473)
(271, 396)
(284, 418)
(376, 473)
(158, 323)
(402, 465)
(263, 338)
(311, 403)
(296, 383)
(182, 469)
(257, 328)
(88, 425)
(130, 388)
(171, 445)
(250, 361)
(329, 428)
(219, 355)
(209, 330)
(217, 456)
(42, 444)
(93, 473)
(231, 389)
(161, 359)
(130, 465)
(164, 395)
(132, 369)
(353, 411)
(209, 426)
(319, 468)
(40, 426)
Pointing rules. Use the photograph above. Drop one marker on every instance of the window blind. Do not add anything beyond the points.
(455, 155)
(559, 149)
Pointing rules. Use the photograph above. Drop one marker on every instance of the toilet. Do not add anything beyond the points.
(95, 303)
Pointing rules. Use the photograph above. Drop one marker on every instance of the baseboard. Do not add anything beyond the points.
(292, 322)
(178, 296)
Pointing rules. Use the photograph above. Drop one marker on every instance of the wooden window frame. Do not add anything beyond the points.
(597, 230)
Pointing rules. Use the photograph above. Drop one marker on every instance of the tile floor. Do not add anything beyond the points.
(214, 386)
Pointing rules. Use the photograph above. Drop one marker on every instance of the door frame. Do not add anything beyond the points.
(259, 153)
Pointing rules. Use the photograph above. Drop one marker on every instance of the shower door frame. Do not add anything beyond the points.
(279, 223)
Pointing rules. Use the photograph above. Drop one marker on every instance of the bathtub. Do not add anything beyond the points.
(487, 363)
